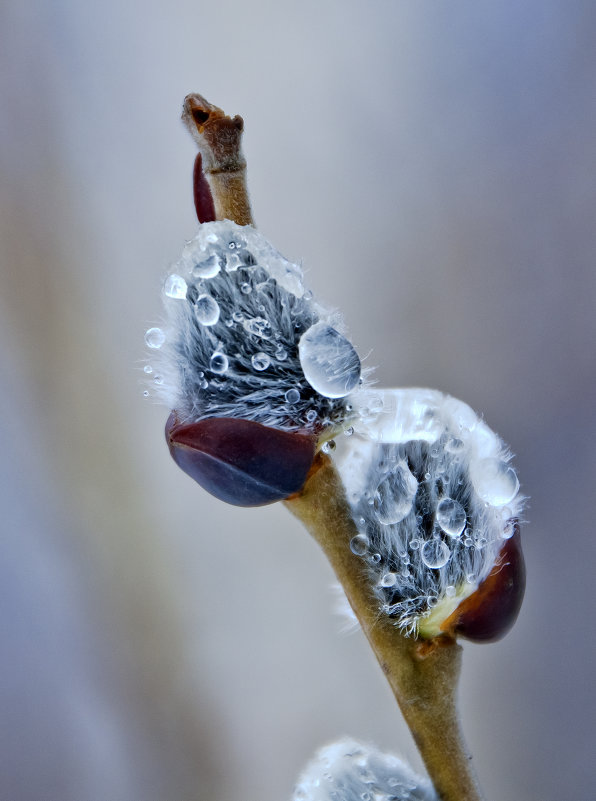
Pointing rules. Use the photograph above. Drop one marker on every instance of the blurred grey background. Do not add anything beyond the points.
(433, 164)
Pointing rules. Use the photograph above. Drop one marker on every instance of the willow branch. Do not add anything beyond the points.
(423, 674)
(220, 168)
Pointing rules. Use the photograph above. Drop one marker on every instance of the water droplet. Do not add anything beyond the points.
(246, 288)
(359, 544)
(494, 480)
(451, 516)
(207, 310)
(292, 396)
(258, 326)
(175, 287)
(328, 446)
(147, 369)
(158, 380)
(260, 361)
(388, 580)
(468, 542)
(454, 445)
(509, 530)
(415, 544)
(146, 394)
(311, 415)
(219, 362)
(349, 431)
(435, 553)
(208, 268)
(375, 558)
(328, 360)
(450, 591)
(154, 338)
(281, 354)
(395, 495)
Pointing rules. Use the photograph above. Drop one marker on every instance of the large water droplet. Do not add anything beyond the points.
(494, 480)
(175, 287)
(260, 361)
(219, 362)
(434, 553)
(154, 338)
(359, 544)
(207, 310)
(395, 495)
(208, 268)
(451, 516)
(328, 360)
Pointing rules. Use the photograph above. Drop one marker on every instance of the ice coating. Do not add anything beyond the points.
(232, 293)
(432, 493)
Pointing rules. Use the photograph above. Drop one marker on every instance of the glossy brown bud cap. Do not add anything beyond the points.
(488, 614)
(239, 461)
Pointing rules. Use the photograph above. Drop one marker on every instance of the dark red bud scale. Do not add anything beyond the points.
(490, 612)
(203, 198)
(239, 461)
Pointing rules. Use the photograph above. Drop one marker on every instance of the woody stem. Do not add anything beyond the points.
(220, 170)
(423, 674)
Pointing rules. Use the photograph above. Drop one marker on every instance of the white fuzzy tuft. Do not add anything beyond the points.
(433, 496)
(350, 771)
(244, 339)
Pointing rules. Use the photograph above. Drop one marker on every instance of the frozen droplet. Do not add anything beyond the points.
(154, 338)
(208, 268)
(375, 558)
(311, 415)
(147, 369)
(388, 580)
(175, 287)
(508, 530)
(395, 495)
(468, 542)
(494, 480)
(245, 288)
(219, 362)
(450, 591)
(158, 380)
(146, 393)
(207, 310)
(415, 544)
(451, 516)
(359, 544)
(260, 361)
(435, 553)
(292, 396)
(328, 360)
(281, 354)
(328, 446)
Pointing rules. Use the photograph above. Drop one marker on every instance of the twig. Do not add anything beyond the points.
(423, 674)
(220, 168)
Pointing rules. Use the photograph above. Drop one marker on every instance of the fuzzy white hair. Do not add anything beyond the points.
(236, 311)
(350, 771)
(433, 496)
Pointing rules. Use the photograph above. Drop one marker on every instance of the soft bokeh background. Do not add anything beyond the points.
(434, 166)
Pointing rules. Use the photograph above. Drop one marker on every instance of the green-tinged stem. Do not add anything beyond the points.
(423, 674)
(223, 165)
